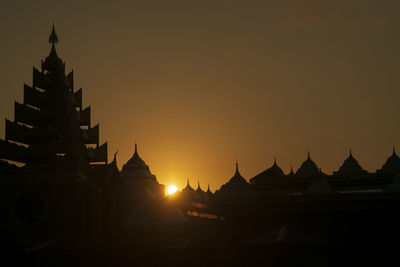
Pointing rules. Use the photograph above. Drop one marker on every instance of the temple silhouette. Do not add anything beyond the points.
(59, 193)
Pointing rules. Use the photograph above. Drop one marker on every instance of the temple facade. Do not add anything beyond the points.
(309, 178)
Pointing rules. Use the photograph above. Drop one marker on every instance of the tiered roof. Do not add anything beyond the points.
(50, 129)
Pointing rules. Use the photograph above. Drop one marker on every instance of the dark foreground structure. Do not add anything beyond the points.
(62, 203)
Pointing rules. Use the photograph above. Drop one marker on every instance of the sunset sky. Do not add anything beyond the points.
(200, 84)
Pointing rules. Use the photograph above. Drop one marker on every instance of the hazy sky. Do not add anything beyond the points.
(200, 84)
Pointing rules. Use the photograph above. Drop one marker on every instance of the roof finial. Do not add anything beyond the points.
(351, 155)
(394, 151)
(135, 147)
(308, 155)
(237, 168)
(291, 168)
(115, 156)
(274, 160)
(53, 38)
(198, 184)
(188, 184)
(208, 187)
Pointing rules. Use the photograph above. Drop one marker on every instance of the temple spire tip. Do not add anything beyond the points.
(53, 38)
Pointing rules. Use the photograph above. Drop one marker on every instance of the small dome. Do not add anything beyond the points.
(273, 172)
(350, 167)
(136, 168)
(237, 186)
(392, 164)
(308, 168)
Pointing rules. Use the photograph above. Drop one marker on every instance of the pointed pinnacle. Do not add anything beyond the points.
(53, 38)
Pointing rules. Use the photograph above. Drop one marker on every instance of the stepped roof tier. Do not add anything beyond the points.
(308, 168)
(392, 165)
(50, 129)
(137, 169)
(350, 167)
(236, 187)
(273, 172)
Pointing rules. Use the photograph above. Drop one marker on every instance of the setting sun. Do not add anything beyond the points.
(172, 189)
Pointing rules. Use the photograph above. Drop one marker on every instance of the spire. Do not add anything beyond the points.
(208, 187)
(188, 182)
(115, 156)
(351, 155)
(198, 184)
(135, 148)
(237, 166)
(291, 168)
(53, 38)
(274, 160)
(308, 155)
(394, 151)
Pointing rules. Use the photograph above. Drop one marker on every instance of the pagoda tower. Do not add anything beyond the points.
(54, 174)
(51, 131)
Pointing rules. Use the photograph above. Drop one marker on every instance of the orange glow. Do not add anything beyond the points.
(172, 189)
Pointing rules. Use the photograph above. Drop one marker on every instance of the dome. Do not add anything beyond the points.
(350, 166)
(237, 186)
(392, 164)
(136, 168)
(308, 168)
(273, 172)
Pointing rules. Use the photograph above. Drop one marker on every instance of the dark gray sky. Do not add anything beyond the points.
(200, 84)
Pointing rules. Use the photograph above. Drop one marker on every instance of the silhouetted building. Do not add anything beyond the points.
(59, 184)
(141, 193)
(308, 169)
(236, 187)
(136, 173)
(350, 167)
(209, 193)
(391, 166)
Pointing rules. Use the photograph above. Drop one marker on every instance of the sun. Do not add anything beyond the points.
(172, 189)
